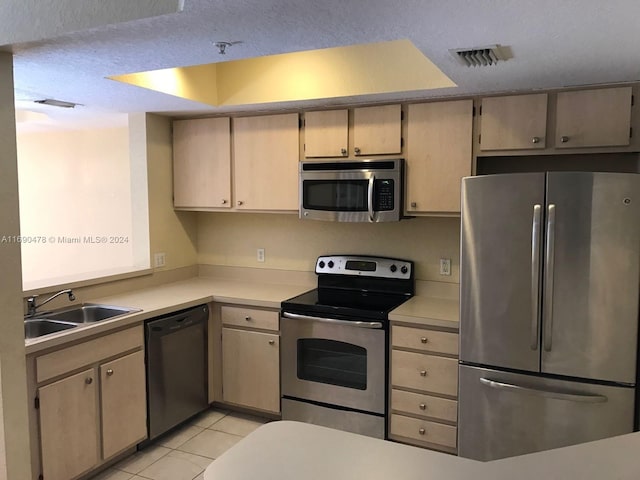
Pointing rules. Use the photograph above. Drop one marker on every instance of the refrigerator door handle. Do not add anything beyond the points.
(571, 397)
(535, 275)
(548, 276)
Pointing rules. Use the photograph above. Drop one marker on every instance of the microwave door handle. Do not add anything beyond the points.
(372, 180)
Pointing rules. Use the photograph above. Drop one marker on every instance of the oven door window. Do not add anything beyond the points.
(332, 362)
(336, 195)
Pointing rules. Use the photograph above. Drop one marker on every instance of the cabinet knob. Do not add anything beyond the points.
(414, 204)
(240, 202)
(424, 340)
(423, 373)
(535, 140)
(422, 431)
(109, 372)
(564, 139)
(357, 150)
(247, 318)
(224, 201)
(343, 151)
(272, 342)
(423, 406)
(88, 380)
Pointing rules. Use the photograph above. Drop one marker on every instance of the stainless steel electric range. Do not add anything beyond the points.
(335, 343)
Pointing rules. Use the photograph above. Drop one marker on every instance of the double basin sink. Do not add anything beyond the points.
(60, 320)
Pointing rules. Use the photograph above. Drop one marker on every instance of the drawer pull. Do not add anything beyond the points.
(423, 339)
(272, 342)
(423, 373)
(247, 318)
(422, 431)
(423, 406)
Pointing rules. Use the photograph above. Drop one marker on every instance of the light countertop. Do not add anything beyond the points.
(291, 450)
(159, 300)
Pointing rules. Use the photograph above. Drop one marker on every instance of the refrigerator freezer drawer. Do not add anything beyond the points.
(506, 414)
(424, 372)
(423, 430)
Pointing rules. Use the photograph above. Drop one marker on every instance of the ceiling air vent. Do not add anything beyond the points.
(479, 56)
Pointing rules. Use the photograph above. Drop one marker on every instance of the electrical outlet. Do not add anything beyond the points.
(260, 255)
(159, 259)
(445, 266)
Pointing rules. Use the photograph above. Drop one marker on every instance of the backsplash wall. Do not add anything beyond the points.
(231, 239)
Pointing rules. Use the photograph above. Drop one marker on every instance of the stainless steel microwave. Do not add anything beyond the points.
(352, 191)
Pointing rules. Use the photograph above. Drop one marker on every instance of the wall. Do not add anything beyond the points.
(14, 439)
(231, 239)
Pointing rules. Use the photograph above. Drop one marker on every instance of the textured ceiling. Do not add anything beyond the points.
(553, 43)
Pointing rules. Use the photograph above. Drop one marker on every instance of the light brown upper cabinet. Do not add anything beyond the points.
(202, 163)
(326, 133)
(377, 130)
(513, 122)
(266, 153)
(593, 118)
(438, 155)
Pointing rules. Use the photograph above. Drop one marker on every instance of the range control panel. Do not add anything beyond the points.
(366, 266)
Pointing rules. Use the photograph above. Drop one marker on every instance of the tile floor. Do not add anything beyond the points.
(185, 453)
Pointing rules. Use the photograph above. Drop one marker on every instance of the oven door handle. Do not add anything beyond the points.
(333, 321)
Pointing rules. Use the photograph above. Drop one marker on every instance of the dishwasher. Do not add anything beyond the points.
(176, 362)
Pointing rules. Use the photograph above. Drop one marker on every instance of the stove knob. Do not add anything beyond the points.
(393, 268)
(321, 264)
(331, 264)
(404, 269)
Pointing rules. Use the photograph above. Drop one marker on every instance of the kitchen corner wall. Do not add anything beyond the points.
(14, 432)
(231, 239)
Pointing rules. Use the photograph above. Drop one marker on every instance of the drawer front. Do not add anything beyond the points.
(424, 430)
(425, 340)
(249, 317)
(86, 353)
(424, 405)
(424, 372)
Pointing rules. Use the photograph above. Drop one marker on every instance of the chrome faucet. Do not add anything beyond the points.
(31, 301)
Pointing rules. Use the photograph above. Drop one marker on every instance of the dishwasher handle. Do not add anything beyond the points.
(165, 325)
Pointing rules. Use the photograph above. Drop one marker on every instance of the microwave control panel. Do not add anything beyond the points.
(383, 193)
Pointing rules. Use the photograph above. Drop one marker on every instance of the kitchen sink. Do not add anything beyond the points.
(37, 327)
(87, 313)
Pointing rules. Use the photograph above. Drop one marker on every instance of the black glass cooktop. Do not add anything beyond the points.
(349, 304)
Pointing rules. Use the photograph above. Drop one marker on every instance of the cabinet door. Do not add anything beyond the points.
(266, 162)
(124, 409)
(326, 133)
(593, 118)
(202, 163)
(439, 143)
(69, 426)
(251, 369)
(377, 130)
(514, 122)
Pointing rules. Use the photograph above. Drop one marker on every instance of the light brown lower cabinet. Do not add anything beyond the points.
(251, 358)
(424, 387)
(94, 412)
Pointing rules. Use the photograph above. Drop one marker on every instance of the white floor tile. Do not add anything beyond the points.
(208, 418)
(238, 424)
(179, 436)
(210, 443)
(112, 474)
(176, 466)
(142, 459)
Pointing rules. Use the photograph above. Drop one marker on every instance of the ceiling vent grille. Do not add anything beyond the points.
(479, 56)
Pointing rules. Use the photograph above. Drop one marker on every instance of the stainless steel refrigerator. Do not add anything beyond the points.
(549, 287)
